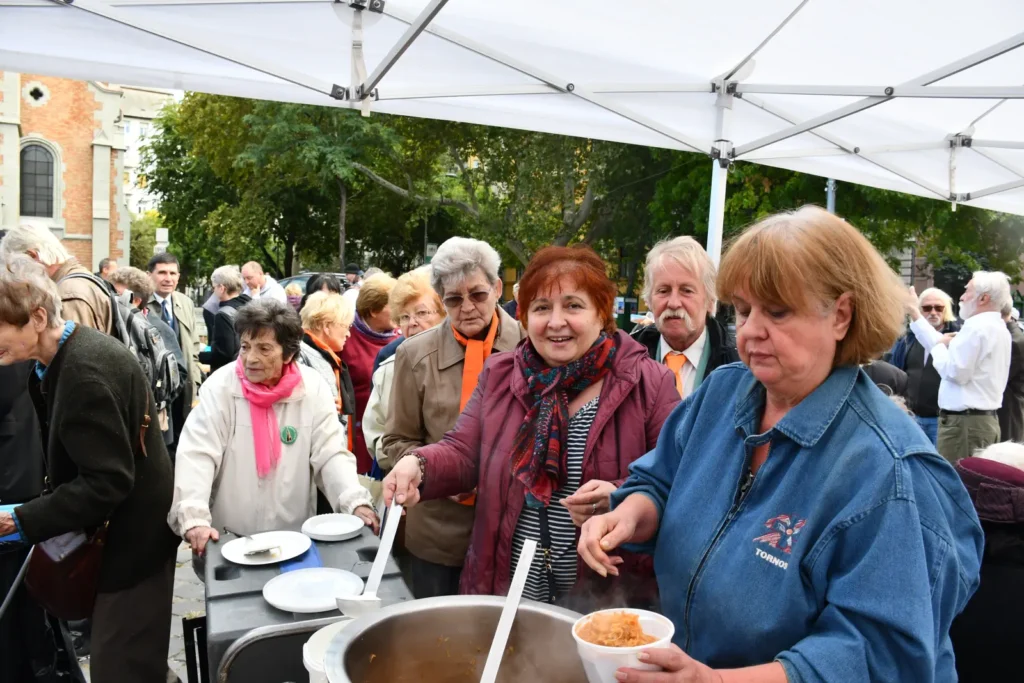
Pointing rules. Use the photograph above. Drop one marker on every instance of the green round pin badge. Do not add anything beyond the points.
(289, 435)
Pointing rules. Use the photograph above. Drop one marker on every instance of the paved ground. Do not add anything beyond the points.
(188, 600)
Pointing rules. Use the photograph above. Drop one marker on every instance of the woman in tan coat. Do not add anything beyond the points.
(435, 374)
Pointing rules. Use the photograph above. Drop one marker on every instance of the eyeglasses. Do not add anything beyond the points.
(420, 316)
(938, 309)
(455, 300)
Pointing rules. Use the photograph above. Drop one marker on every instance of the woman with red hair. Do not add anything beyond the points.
(548, 434)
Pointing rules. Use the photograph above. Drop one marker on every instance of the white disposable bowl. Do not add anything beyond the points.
(601, 662)
(316, 647)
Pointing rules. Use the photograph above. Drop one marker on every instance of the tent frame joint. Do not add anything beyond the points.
(960, 140)
(376, 6)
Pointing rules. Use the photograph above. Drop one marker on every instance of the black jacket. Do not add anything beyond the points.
(21, 450)
(987, 636)
(723, 349)
(224, 341)
(103, 463)
(1011, 415)
(889, 376)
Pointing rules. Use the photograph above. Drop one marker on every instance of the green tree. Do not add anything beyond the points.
(143, 240)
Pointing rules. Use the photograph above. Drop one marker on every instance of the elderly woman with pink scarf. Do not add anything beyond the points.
(263, 438)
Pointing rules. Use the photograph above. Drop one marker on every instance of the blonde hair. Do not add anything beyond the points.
(807, 259)
(412, 286)
(293, 289)
(373, 295)
(947, 315)
(25, 238)
(24, 289)
(324, 308)
(134, 280)
(689, 254)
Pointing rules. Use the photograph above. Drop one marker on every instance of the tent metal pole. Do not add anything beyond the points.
(399, 48)
(830, 195)
(998, 144)
(101, 9)
(1005, 187)
(562, 85)
(719, 175)
(950, 69)
(925, 91)
(764, 42)
(851, 149)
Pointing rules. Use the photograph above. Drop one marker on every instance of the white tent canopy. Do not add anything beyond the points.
(920, 96)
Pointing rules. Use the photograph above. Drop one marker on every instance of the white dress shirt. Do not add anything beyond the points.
(688, 373)
(976, 365)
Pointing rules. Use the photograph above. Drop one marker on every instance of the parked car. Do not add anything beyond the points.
(302, 278)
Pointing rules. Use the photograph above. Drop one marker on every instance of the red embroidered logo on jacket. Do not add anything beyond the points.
(784, 531)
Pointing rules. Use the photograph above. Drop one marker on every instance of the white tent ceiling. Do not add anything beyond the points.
(920, 96)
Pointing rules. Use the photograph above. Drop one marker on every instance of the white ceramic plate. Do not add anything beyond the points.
(334, 527)
(307, 591)
(290, 544)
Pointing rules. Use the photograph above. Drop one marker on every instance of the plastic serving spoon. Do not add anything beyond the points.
(367, 602)
(508, 613)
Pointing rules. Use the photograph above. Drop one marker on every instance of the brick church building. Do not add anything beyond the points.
(63, 159)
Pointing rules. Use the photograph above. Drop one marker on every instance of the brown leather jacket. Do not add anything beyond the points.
(81, 300)
(424, 405)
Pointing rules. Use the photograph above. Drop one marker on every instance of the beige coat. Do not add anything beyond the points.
(215, 480)
(81, 300)
(424, 405)
(188, 337)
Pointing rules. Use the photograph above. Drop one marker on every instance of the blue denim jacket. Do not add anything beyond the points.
(845, 559)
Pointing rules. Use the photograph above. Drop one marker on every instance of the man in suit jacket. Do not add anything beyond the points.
(178, 311)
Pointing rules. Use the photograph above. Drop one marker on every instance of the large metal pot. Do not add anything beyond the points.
(445, 640)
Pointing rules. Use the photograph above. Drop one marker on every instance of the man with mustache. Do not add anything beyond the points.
(679, 287)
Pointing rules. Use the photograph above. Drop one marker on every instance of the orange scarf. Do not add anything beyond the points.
(322, 345)
(476, 353)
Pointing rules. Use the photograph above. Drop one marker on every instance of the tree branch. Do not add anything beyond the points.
(467, 182)
(586, 206)
(270, 258)
(517, 247)
(390, 186)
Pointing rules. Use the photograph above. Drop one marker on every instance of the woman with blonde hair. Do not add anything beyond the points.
(803, 528)
(326, 324)
(372, 330)
(416, 307)
(909, 356)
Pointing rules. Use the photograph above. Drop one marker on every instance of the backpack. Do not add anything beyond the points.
(139, 335)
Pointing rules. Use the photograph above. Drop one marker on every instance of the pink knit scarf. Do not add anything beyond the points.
(261, 400)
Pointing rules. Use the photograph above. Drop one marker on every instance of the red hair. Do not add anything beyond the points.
(582, 266)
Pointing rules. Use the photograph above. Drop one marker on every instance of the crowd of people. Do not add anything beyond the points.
(801, 509)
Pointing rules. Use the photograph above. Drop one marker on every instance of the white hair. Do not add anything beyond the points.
(460, 257)
(25, 238)
(688, 253)
(230, 277)
(947, 315)
(24, 288)
(1008, 453)
(996, 285)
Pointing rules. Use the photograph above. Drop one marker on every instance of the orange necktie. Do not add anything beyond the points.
(675, 363)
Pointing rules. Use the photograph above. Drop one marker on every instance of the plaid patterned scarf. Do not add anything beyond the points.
(538, 452)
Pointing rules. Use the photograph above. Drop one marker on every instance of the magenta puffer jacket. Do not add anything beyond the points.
(636, 398)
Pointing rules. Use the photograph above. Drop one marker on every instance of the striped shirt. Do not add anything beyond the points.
(560, 526)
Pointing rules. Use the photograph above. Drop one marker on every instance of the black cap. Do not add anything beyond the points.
(352, 269)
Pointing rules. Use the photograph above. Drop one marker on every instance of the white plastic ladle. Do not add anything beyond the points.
(508, 613)
(357, 606)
